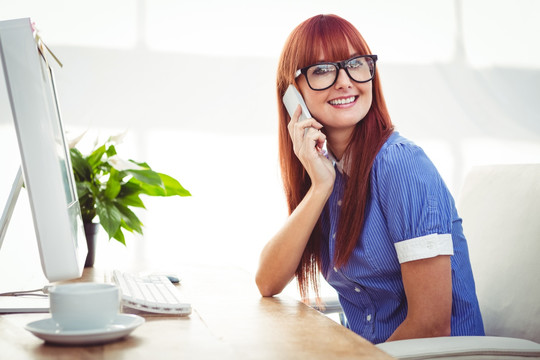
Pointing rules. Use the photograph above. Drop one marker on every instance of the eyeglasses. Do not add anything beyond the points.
(323, 75)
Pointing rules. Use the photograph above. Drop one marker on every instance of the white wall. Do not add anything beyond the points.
(193, 83)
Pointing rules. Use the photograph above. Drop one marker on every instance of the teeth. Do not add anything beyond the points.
(342, 101)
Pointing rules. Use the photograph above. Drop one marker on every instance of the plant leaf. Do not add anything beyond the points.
(130, 219)
(129, 194)
(146, 176)
(168, 187)
(172, 186)
(83, 189)
(81, 169)
(132, 187)
(131, 200)
(111, 151)
(119, 235)
(94, 159)
(152, 190)
(112, 189)
(109, 216)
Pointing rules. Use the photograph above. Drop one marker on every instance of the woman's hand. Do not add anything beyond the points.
(308, 141)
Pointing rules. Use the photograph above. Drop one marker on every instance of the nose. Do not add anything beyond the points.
(343, 80)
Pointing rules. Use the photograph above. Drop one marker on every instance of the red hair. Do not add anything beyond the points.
(330, 35)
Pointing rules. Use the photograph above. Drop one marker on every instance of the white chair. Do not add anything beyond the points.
(500, 207)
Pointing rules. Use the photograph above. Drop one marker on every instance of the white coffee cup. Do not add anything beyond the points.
(84, 306)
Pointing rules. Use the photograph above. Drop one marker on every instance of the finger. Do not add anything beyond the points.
(295, 116)
(314, 139)
(316, 136)
(305, 126)
(297, 113)
(294, 119)
(310, 123)
(298, 129)
(320, 141)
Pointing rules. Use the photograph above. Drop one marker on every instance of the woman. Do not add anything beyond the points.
(372, 215)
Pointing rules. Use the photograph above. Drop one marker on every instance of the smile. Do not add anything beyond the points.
(343, 101)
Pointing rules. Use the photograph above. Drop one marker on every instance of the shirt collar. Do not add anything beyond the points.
(335, 162)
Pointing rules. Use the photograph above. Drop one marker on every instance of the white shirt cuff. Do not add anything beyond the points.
(424, 247)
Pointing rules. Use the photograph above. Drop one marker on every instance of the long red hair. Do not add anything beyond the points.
(330, 35)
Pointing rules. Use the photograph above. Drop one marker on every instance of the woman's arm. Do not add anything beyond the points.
(281, 255)
(428, 288)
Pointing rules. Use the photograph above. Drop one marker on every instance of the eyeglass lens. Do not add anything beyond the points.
(321, 76)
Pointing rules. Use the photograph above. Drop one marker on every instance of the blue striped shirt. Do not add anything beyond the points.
(410, 215)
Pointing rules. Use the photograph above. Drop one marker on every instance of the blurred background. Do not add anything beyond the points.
(193, 84)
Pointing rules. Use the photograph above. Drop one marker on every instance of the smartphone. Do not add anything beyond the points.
(291, 99)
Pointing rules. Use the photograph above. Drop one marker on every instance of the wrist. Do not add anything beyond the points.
(322, 190)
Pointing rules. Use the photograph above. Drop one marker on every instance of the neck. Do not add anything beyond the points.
(338, 140)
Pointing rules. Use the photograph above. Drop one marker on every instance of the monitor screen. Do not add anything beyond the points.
(45, 162)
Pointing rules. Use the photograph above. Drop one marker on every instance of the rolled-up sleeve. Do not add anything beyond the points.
(415, 202)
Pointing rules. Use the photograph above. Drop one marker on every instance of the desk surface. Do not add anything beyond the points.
(230, 320)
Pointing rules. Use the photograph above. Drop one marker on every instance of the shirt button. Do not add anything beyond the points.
(368, 318)
(339, 202)
(335, 269)
(357, 289)
(333, 235)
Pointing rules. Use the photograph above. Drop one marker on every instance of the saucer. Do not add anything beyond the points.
(122, 325)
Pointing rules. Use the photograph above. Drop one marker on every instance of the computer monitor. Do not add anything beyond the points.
(45, 161)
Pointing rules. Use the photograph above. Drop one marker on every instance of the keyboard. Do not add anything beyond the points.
(152, 293)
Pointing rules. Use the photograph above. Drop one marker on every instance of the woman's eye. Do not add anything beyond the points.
(322, 70)
(355, 64)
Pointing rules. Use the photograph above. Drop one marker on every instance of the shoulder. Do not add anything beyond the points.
(401, 154)
(397, 146)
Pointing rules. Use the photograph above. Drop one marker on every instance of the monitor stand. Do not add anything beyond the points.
(19, 303)
(10, 205)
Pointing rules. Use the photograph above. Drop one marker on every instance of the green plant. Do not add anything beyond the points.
(108, 187)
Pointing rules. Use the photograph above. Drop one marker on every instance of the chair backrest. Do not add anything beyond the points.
(500, 207)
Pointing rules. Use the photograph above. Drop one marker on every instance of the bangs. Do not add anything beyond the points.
(327, 38)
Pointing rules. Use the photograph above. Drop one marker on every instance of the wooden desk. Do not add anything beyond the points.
(230, 320)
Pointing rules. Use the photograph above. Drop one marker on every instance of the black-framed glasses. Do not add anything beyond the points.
(323, 75)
